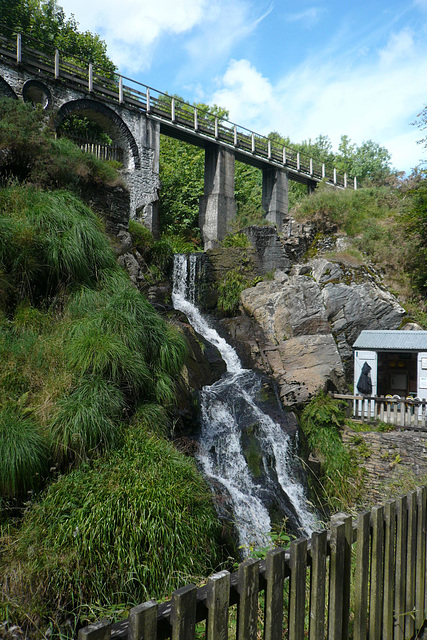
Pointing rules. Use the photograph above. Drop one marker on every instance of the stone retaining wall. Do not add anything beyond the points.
(388, 458)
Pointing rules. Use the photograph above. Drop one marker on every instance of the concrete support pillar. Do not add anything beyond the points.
(217, 207)
(311, 186)
(275, 189)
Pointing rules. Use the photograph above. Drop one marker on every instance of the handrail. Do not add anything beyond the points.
(403, 413)
(169, 110)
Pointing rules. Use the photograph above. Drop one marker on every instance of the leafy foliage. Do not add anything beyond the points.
(341, 479)
(46, 22)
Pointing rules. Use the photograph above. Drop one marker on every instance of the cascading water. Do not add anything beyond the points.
(230, 414)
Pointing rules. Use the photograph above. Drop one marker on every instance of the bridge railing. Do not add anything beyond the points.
(362, 578)
(23, 50)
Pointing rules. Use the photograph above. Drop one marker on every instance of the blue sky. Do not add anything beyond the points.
(302, 69)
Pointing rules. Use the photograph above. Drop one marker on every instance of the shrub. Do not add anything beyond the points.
(341, 478)
(86, 419)
(136, 525)
(49, 241)
(23, 452)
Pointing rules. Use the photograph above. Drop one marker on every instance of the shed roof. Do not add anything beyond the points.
(392, 340)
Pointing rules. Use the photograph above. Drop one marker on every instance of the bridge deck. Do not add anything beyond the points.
(177, 119)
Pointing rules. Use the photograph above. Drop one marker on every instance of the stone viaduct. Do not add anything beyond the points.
(134, 116)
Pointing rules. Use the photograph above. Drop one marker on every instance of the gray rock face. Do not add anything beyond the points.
(305, 364)
(310, 320)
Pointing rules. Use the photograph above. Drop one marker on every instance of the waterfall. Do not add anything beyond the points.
(231, 414)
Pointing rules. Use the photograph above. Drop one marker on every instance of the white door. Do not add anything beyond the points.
(422, 376)
(360, 357)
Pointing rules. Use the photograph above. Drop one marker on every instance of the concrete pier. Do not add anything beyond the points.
(217, 207)
(275, 193)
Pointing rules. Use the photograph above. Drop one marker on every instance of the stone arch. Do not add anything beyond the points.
(108, 119)
(6, 90)
(37, 92)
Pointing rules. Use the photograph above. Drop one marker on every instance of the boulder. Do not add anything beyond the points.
(304, 365)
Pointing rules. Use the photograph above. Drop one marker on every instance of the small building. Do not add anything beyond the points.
(398, 361)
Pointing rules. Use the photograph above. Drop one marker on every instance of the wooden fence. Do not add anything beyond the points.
(405, 413)
(101, 150)
(362, 579)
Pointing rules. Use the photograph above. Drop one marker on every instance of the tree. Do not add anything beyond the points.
(46, 22)
(421, 123)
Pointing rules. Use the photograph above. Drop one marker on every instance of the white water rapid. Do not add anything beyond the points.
(230, 411)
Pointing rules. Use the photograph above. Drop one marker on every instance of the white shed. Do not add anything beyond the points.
(398, 361)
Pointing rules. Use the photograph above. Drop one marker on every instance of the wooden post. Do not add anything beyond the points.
(97, 631)
(275, 576)
(420, 579)
(400, 582)
(143, 621)
(217, 602)
(410, 565)
(183, 613)
(319, 541)
(377, 564)
(298, 551)
(247, 585)
(362, 576)
(389, 568)
(336, 581)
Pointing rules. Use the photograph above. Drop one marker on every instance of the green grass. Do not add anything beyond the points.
(24, 452)
(341, 480)
(136, 525)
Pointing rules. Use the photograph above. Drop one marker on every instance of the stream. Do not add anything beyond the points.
(244, 453)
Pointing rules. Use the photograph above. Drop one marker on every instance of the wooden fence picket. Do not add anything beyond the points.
(275, 577)
(143, 621)
(377, 562)
(319, 543)
(183, 613)
(363, 527)
(389, 567)
(420, 590)
(217, 602)
(400, 581)
(298, 564)
(411, 565)
(336, 581)
(97, 631)
(248, 586)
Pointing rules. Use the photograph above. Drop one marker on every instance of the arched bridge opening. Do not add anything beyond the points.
(123, 146)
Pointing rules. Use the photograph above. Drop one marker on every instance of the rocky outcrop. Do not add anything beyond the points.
(307, 321)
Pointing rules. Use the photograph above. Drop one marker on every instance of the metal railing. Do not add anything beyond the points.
(363, 578)
(168, 110)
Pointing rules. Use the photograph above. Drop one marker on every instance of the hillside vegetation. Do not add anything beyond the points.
(92, 493)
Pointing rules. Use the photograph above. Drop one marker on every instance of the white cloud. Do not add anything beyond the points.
(132, 27)
(377, 99)
(309, 16)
